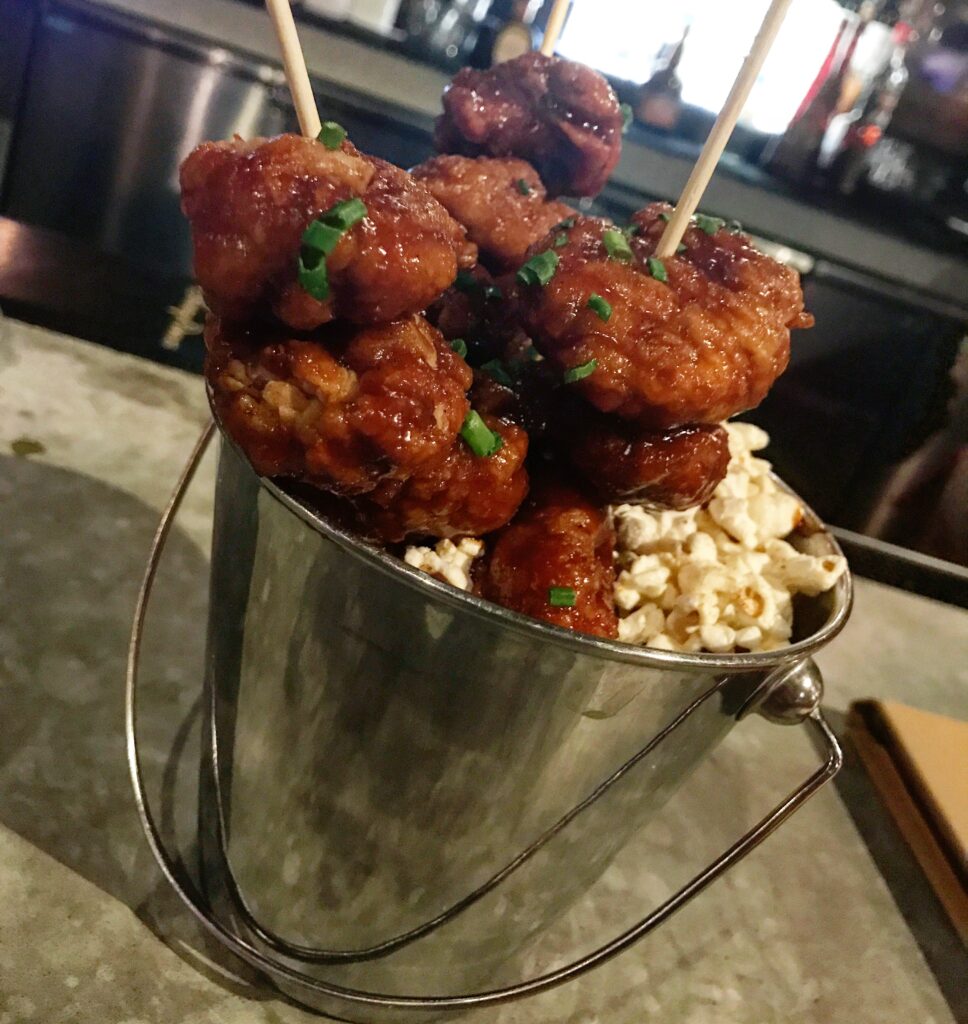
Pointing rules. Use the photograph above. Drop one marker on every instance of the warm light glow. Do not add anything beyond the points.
(622, 38)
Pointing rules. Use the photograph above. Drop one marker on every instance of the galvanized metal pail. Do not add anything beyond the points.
(403, 785)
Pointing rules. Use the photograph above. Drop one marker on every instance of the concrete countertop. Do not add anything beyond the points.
(414, 88)
(91, 441)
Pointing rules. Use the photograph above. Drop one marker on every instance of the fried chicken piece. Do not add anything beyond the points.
(249, 202)
(558, 539)
(698, 347)
(560, 116)
(501, 203)
(460, 494)
(678, 469)
(346, 415)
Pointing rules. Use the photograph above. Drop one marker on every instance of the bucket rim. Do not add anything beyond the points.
(841, 595)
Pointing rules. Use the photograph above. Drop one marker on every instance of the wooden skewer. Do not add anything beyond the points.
(721, 131)
(553, 28)
(295, 64)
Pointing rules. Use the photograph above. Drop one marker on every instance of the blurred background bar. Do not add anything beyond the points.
(850, 162)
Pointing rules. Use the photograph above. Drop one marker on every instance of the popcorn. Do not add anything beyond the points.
(729, 576)
(447, 561)
(719, 578)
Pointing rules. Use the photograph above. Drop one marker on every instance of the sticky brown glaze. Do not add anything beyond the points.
(460, 494)
(562, 117)
(558, 539)
(677, 469)
(500, 201)
(360, 409)
(248, 204)
(699, 348)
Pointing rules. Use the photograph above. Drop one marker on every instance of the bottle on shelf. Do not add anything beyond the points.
(659, 102)
(518, 34)
(851, 142)
(794, 155)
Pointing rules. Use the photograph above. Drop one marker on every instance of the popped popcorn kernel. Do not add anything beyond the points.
(447, 561)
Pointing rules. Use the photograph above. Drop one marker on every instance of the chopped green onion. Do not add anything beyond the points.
(708, 224)
(313, 276)
(481, 440)
(666, 215)
(523, 187)
(495, 368)
(320, 239)
(580, 372)
(626, 111)
(565, 225)
(460, 347)
(600, 306)
(539, 269)
(616, 245)
(345, 214)
(631, 230)
(331, 134)
(682, 247)
(561, 597)
(657, 269)
(560, 239)
(466, 282)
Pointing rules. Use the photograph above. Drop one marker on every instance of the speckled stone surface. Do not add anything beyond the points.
(90, 443)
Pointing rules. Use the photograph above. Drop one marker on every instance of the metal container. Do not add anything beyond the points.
(404, 785)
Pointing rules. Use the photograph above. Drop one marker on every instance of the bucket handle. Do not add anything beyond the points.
(788, 701)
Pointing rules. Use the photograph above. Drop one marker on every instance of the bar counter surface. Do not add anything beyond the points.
(806, 929)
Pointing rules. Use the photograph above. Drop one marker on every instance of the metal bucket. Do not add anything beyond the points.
(404, 785)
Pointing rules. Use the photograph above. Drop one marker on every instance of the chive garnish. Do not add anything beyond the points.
(617, 245)
(600, 306)
(496, 369)
(657, 269)
(481, 440)
(466, 282)
(320, 239)
(565, 225)
(539, 269)
(626, 111)
(631, 230)
(581, 372)
(681, 247)
(523, 187)
(331, 134)
(666, 215)
(561, 239)
(460, 347)
(561, 597)
(708, 224)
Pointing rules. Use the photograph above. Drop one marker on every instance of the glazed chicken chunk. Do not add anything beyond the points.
(695, 338)
(366, 407)
(562, 117)
(249, 204)
(500, 201)
(677, 469)
(458, 495)
(554, 561)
